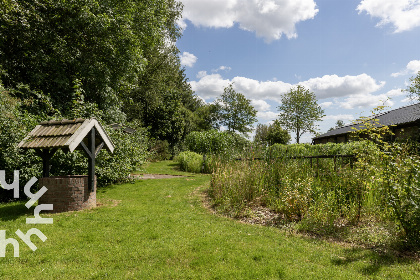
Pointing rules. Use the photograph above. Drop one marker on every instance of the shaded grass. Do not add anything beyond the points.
(160, 230)
(161, 167)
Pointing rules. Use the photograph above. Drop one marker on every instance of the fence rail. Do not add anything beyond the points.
(334, 157)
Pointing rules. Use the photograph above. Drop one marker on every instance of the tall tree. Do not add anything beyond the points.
(261, 132)
(53, 45)
(236, 112)
(413, 91)
(299, 111)
(276, 134)
(338, 124)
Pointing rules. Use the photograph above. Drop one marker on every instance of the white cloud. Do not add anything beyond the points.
(222, 68)
(413, 67)
(329, 86)
(403, 14)
(260, 105)
(188, 59)
(269, 19)
(343, 117)
(395, 93)
(209, 86)
(326, 104)
(267, 115)
(335, 86)
(365, 100)
(212, 85)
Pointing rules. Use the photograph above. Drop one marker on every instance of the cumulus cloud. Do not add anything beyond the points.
(188, 59)
(209, 86)
(326, 104)
(365, 100)
(395, 92)
(413, 67)
(343, 117)
(269, 19)
(402, 14)
(267, 115)
(212, 85)
(335, 86)
(330, 86)
(222, 68)
(260, 105)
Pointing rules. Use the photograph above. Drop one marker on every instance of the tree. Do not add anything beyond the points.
(271, 134)
(299, 111)
(236, 112)
(261, 132)
(276, 134)
(413, 91)
(338, 124)
(53, 45)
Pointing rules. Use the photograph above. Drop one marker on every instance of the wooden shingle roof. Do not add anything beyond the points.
(407, 114)
(67, 134)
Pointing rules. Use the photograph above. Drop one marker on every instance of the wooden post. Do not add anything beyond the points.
(91, 159)
(46, 155)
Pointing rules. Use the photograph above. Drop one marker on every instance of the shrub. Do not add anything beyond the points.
(215, 143)
(190, 161)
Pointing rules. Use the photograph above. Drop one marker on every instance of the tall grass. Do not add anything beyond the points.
(326, 195)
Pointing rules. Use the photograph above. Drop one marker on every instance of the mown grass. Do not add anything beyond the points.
(159, 229)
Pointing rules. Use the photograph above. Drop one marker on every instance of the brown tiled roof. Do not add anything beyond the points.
(63, 134)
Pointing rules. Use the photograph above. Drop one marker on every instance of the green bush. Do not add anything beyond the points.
(214, 142)
(190, 161)
(14, 126)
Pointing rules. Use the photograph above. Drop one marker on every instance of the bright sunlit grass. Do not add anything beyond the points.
(159, 229)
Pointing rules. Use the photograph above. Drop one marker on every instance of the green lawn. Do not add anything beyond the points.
(158, 229)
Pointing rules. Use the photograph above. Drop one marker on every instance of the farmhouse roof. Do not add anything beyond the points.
(67, 134)
(403, 115)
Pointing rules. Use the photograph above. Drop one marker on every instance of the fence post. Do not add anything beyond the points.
(204, 163)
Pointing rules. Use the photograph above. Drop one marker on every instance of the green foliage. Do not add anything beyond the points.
(129, 154)
(215, 142)
(329, 196)
(190, 162)
(235, 111)
(14, 125)
(160, 150)
(413, 91)
(261, 132)
(276, 134)
(299, 111)
(338, 124)
(271, 134)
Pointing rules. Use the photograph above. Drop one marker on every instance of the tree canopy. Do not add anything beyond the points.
(271, 134)
(299, 111)
(413, 90)
(235, 111)
(53, 46)
(338, 124)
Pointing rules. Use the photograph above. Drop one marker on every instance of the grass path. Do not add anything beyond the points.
(158, 229)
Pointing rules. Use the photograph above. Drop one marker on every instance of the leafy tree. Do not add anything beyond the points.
(53, 45)
(236, 112)
(271, 134)
(299, 111)
(261, 132)
(413, 91)
(277, 135)
(207, 117)
(338, 124)
(163, 100)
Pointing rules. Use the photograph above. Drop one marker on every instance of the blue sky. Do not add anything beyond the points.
(352, 54)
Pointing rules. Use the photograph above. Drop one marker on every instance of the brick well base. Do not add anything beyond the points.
(68, 193)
